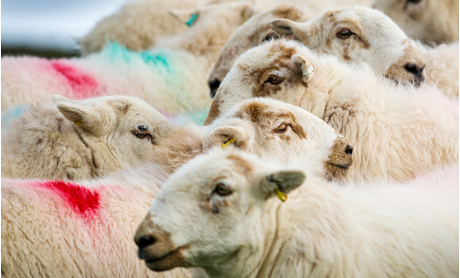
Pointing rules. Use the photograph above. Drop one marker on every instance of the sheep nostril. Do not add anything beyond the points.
(414, 69)
(349, 150)
(144, 241)
(214, 85)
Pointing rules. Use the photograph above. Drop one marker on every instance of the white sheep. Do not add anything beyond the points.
(225, 218)
(81, 139)
(62, 229)
(362, 34)
(354, 35)
(397, 131)
(172, 79)
(138, 24)
(430, 21)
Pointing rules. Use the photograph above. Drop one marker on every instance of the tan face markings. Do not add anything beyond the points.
(398, 71)
(260, 116)
(214, 111)
(242, 165)
(338, 161)
(162, 254)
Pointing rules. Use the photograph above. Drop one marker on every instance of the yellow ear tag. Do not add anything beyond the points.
(245, 17)
(281, 195)
(224, 145)
(77, 122)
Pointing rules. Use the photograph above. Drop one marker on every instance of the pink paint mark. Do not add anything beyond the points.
(82, 200)
(82, 84)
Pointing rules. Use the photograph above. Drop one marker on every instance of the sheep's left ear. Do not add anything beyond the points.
(305, 68)
(185, 16)
(280, 183)
(120, 106)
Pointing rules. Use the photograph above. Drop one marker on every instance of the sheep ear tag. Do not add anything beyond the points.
(310, 70)
(192, 19)
(230, 141)
(77, 122)
(283, 197)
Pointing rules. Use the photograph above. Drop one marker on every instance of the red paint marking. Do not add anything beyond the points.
(83, 85)
(83, 201)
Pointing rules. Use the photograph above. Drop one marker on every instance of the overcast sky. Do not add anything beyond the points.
(51, 23)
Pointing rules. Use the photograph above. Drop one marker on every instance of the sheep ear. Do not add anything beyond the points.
(247, 13)
(280, 183)
(89, 118)
(185, 16)
(223, 134)
(305, 68)
(121, 106)
(285, 27)
(59, 98)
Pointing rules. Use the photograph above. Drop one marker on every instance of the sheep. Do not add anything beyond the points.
(429, 21)
(397, 131)
(384, 46)
(138, 24)
(85, 217)
(353, 34)
(171, 79)
(268, 128)
(225, 218)
(76, 140)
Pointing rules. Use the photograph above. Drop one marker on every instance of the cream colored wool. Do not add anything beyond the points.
(442, 64)
(430, 21)
(396, 131)
(75, 140)
(171, 79)
(45, 235)
(202, 215)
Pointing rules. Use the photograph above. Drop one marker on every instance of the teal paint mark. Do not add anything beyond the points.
(192, 19)
(198, 117)
(12, 113)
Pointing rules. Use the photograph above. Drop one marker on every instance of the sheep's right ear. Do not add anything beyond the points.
(185, 16)
(280, 183)
(223, 134)
(305, 68)
(59, 98)
(89, 118)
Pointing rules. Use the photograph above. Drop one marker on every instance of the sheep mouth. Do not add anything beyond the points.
(336, 171)
(166, 262)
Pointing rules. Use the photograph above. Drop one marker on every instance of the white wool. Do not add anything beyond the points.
(442, 64)
(322, 230)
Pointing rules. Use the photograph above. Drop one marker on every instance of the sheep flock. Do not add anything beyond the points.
(238, 138)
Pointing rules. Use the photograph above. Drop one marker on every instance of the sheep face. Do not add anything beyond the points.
(118, 130)
(278, 69)
(282, 132)
(250, 34)
(360, 34)
(203, 213)
(426, 20)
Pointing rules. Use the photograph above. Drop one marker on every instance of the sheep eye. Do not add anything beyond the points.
(222, 190)
(344, 34)
(282, 128)
(413, 1)
(270, 37)
(142, 135)
(274, 80)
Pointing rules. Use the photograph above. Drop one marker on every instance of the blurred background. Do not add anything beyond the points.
(49, 28)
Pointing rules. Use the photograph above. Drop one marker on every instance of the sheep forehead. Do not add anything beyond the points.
(205, 170)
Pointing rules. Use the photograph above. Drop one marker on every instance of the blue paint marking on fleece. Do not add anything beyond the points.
(12, 113)
(198, 117)
(157, 57)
